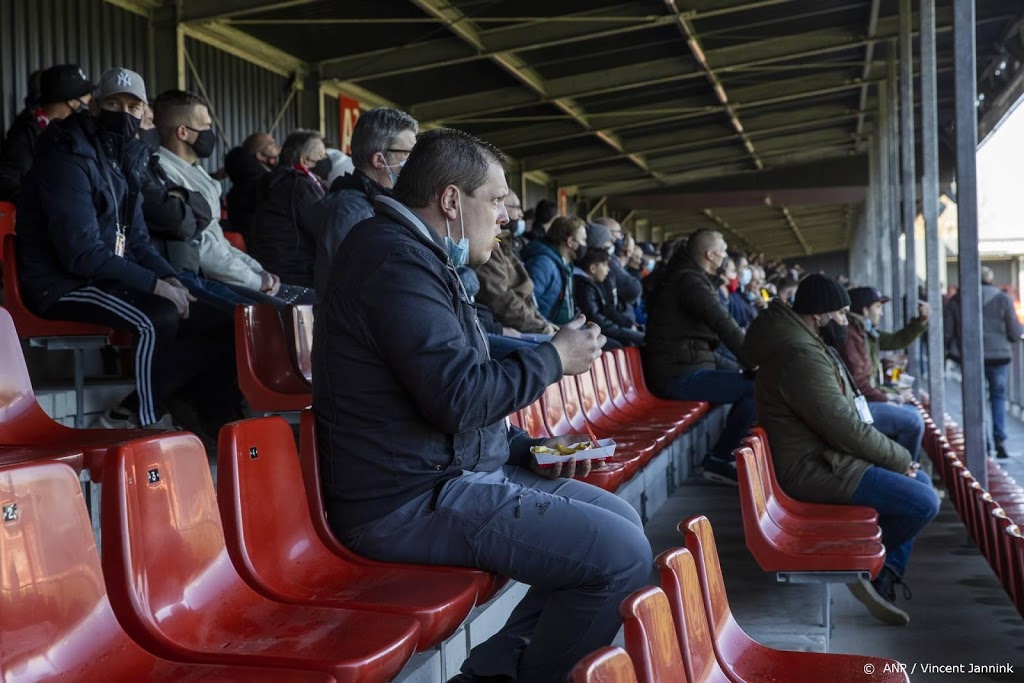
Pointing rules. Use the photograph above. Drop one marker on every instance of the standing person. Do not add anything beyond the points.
(420, 463)
(686, 324)
(505, 286)
(549, 262)
(892, 415)
(382, 140)
(289, 216)
(1000, 331)
(186, 129)
(63, 90)
(84, 253)
(823, 449)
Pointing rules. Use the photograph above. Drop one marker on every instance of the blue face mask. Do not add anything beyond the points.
(520, 227)
(393, 176)
(458, 252)
(868, 325)
(746, 275)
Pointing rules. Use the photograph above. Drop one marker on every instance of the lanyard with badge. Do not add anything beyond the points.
(859, 400)
(120, 241)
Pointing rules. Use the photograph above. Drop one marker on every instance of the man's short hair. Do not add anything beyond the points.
(594, 256)
(298, 144)
(562, 228)
(443, 157)
(376, 130)
(173, 108)
(701, 241)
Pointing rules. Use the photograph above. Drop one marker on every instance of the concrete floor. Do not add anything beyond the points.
(960, 614)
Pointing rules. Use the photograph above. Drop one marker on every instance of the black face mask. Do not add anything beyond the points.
(323, 167)
(580, 251)
(833, 334)
(206, 141)
(151, 137)
(119, 123)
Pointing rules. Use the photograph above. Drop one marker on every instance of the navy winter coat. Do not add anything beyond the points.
(552, 282)
(405, 394)
(67, 219)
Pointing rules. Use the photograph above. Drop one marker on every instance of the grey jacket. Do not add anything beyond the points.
(999, 326)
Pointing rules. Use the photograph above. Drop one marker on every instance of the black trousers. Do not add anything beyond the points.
(170, 353)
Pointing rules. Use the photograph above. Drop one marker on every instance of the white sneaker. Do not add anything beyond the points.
(117, 418)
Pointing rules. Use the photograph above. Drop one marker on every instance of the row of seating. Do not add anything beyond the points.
(685, 632)
(803, 542)
(993, 516)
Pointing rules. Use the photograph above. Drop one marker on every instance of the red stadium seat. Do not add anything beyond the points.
(671, 422)
(175, 591)
(607, 665)
(279, 553)
(758, 442)
(698, 579)
(6, 218)
(302, 339)
(487, 584)
(23, 422)
(266, 375)
(651, 639)
(236, 239)
(55, 618)
(19, 455)
(631, 376)
(52, 335)
(599, 411)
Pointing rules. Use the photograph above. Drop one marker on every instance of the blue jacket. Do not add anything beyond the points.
(67, 222)
(405, 394)
(552, 281)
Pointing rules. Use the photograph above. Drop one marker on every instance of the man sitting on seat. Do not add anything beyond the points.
(686, 324)
(420, 463)
(823, 445)
(893, 416)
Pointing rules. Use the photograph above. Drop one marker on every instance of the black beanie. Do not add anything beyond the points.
(820, 294)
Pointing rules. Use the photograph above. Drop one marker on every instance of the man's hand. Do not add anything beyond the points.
(924, 310)
(178, 296)
(759, 303)
(896, 399)
(912, 471)
(269, 283)
(578, 344)
(568, 468)
(511, 332)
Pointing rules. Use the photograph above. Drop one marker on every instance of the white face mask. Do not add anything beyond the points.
(458, 252)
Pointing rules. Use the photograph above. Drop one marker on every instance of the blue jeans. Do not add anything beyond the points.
(219, 295)
(582, 550)
(905, 505)
(720, 386)
(997, 376)
(901, 423)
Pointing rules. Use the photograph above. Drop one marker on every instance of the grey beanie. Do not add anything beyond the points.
(598, 235)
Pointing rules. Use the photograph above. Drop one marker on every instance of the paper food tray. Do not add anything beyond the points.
(605, 449)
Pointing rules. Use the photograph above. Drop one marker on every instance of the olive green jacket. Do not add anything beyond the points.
(805, 402)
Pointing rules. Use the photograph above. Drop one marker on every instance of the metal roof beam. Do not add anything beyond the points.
(193, 11)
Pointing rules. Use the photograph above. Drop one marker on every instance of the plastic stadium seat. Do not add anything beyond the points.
(607, 665)
(302, 339)
(6, 218)
(236, 239)
(18, 455)
(278, 552)
(266, 375)
(599, 411)
(651, 639)
(52, 335)
(671, 422)
(777, 550)
(175, 591)
(636, 372)
(817, 519)
(23, 422)
(758, 442)
(628, 419)
(487, 584)
(694, 584)
(631, 377)
(55, 618)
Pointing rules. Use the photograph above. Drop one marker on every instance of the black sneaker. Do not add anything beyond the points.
(719, 471)
(1001, 451)
(879, 595)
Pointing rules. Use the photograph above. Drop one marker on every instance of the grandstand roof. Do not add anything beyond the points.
(753, 115)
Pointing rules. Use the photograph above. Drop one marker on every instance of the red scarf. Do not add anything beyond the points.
(42, 119)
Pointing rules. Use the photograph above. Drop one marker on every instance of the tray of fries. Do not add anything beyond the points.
(583, 450)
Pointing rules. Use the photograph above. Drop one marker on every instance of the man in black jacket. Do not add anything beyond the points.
(686, 324)
(591, 272)
(63, 90)
(84, 253)
(420, 463)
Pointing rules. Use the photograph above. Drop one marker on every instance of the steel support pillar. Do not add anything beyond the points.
(895, 214)
(166, 51)
(935, 251)
(909, 163)
(885, 190)
(964, 76)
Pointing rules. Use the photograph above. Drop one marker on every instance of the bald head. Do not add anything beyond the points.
(708, 249)
(613, 226)
(987, 276)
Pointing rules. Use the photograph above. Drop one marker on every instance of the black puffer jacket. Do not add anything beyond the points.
(19, 149)
(286, 225)
(246, 174)
(686, 322)
(67, 217)
(591, 302)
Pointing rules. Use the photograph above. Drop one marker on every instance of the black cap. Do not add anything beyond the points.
(862, 297)
(63, 82)
(820, 294)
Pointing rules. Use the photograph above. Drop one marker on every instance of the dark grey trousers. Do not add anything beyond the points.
(581, 550)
